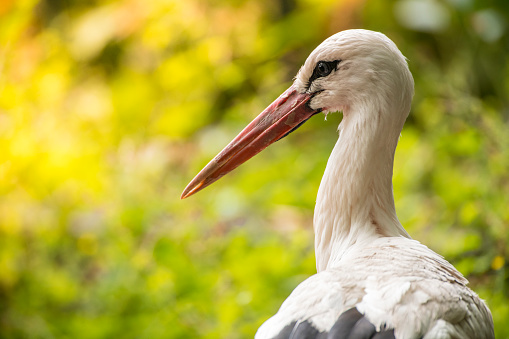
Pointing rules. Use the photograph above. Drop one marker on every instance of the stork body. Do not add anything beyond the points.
(401, 288)
(373, 280)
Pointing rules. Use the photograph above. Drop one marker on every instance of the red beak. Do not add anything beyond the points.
(283, 116)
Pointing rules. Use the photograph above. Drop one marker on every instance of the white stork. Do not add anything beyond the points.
(373, 280)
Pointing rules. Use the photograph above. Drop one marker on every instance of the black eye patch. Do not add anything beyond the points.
(322, 69)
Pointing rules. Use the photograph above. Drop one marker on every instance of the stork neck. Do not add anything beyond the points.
(355, 202)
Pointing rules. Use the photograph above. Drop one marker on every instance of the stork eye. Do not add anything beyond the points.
(323, 69)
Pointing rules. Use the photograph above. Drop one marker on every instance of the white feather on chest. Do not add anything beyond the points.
(396, 282)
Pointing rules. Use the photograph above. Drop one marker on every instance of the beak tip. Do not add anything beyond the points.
(191, 189)
(186, 193)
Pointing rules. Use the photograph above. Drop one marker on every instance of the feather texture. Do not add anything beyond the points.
(396, 283)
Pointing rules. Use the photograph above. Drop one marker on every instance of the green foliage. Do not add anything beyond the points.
(108, 109)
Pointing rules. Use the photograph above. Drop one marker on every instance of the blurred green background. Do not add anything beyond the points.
(109, 108)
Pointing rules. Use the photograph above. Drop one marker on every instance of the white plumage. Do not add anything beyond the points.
(372, 277)
(396, 283)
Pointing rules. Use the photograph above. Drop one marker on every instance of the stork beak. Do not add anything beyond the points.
(283, 116)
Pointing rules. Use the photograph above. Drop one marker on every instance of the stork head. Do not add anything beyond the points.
(351, 69)
(357, 67)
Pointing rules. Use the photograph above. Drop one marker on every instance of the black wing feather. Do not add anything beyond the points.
(351, 324)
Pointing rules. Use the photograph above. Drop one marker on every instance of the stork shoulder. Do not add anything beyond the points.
(392, 283)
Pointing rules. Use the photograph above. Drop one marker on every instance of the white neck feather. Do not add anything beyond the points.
(355, 202)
